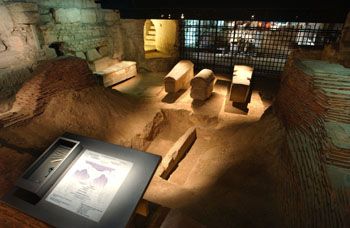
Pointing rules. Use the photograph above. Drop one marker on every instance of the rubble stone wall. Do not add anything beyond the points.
(79, 27)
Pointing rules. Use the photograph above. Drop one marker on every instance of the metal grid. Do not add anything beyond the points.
(219, 45)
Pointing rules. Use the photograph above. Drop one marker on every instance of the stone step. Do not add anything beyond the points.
(151, 32)
(150, 47)
(150, 42)
(150, 37)
(152, 27)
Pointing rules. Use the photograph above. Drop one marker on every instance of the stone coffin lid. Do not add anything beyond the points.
(179, 70)
(117, 66)
(243, 71)
(204, 76)
(240, 80)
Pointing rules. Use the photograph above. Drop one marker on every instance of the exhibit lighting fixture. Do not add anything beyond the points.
(182, 16)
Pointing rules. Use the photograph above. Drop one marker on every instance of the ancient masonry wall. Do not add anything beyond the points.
(28, 28)
(314, 104)
(78, 27)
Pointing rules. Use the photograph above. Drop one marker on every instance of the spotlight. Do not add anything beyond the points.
(169, 16)
(182, 16)
(162, 15)
(252, 17)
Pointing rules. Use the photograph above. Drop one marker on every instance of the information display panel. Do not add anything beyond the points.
(100, 186)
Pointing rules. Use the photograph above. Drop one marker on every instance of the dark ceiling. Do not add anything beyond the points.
(292, 10)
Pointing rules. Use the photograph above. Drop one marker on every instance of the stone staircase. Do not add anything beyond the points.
(150, 41)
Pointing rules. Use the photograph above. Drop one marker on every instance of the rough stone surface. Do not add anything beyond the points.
(93, 55)
(2, 46)
(104, 50)
(67, 15)
(80, 54)
(19, 45)
(88, 16)
(49, 79)
(345, 43)
(176, 153)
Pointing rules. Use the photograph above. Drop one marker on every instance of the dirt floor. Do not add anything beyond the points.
(228, 177)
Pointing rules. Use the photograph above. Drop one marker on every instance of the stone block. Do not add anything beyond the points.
(88, 16)
(240, 84)
(22, 7)
(2, 47)
(118, 72)
(239, 89)
(50, 37)
(25, 17)
(5, 28)
(80, 54)
(110, 16)
(48, 53)
(104, 51)
(99, 15)
(176, 153)
(67, 15)
(89, 4)
(17, 43)
(93, 55)
(45, 18)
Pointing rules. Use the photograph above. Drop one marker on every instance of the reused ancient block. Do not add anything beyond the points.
(179, 77)
(202, 85)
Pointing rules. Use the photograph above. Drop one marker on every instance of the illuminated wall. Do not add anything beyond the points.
(31, 31)
(166, 35)
(20, 48)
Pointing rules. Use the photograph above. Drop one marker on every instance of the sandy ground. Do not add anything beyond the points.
(227, 179)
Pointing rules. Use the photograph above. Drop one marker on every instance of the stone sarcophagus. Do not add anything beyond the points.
(114, 71)
(240, 84)
(202, 85)
(179, 77)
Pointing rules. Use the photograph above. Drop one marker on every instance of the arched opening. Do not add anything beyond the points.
(160, 38)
